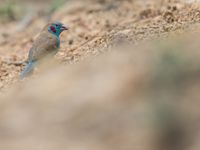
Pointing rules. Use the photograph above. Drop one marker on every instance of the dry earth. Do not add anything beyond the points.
(127, 78)
(95, 26)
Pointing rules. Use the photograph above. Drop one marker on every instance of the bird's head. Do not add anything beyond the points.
(56, 28)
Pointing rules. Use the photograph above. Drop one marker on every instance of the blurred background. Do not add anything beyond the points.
(126, 77)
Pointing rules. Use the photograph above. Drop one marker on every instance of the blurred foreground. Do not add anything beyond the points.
(143, 97)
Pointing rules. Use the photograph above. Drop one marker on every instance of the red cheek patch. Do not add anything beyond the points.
(53, 29)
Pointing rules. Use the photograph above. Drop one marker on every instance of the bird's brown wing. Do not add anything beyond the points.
(45, 44)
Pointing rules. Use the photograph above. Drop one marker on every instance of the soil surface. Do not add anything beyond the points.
(126, 77)
(95, 26)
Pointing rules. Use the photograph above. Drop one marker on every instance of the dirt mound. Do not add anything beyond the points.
(127, 78)
(143, 97)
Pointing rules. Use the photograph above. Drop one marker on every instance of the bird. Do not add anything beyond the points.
(47, 43)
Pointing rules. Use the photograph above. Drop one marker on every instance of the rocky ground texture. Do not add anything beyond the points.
(126, 77)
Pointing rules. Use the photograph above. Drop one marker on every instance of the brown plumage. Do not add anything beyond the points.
(45, 44)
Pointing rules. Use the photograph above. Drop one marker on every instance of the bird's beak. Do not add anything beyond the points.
(64, 28)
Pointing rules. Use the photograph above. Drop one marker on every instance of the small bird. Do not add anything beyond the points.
(47, 43)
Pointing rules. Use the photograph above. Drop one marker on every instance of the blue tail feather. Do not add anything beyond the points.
(27, 70)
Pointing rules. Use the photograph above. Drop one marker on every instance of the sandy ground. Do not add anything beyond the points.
(126, 77)
(94, 27)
